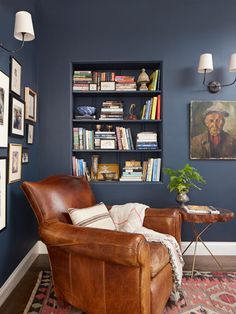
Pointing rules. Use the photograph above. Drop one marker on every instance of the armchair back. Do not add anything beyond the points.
(50, 198)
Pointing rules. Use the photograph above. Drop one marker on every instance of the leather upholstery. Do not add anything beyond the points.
(101, 271)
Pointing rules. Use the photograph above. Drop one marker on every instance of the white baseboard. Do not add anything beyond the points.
(217, 248)
(18, 273)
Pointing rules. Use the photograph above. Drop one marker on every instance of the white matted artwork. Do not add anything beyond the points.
(15, 76)
(30, 134)
(2, 193)
(4, 109)
(17, 117)
(15, 158)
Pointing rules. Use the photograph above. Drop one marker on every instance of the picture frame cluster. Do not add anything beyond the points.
(18, 115)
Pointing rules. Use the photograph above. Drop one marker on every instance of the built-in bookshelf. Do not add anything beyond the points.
(121, 134)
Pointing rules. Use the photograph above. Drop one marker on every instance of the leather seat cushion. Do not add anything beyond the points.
(159, 257)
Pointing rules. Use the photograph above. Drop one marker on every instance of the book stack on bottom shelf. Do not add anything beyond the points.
(133, 171)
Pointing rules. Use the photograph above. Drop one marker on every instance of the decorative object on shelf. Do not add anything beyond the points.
(131, 115)
(23, 31)
(25, 155)
(206, 66)
(108, 176)
(15, 158)
(182, 180)
(110, 171)
(15, 76)
(109, 128)
(86, 110)
(17, 126)
(30, 134)
(143, 80)
(4, 109)
(30, 104)
(94, 167)
(3, 193)
(98, 127)
(213, 130)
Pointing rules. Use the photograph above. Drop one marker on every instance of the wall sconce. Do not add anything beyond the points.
(23, 31)
(206, 66)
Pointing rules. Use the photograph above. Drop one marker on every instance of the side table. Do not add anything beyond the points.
(209, 219)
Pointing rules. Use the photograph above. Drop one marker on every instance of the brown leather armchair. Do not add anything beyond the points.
(101, 271)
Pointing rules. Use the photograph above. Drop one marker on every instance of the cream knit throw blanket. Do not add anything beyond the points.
(129, 218)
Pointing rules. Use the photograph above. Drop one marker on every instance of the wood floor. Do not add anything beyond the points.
(16, 302)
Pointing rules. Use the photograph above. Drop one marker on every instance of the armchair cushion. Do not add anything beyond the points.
(96, 216)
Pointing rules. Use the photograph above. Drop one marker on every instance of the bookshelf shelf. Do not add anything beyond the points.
(89, 75)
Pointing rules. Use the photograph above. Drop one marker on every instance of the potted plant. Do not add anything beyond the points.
(182, 180)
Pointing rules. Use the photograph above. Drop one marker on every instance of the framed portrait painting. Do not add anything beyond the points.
(30, 104)
(15, 76)
(2, 193)
(213, 129)
(15, 158)
(17, 117)
(30, 134)
(4, 109)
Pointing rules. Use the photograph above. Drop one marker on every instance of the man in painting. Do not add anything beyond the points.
(17, 118)
(214, 142)
(1, 105)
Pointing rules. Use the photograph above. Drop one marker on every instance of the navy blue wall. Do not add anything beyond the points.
(21, 231)
(176, 32)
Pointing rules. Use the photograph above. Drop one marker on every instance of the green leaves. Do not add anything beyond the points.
(183, 179)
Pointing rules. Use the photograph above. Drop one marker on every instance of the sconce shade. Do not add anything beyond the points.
(205, 63)
(23, 24)
(232, 66)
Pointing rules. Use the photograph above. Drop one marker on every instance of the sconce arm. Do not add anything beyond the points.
(234, 81)
(14, 51)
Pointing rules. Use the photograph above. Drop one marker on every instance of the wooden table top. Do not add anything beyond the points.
(224, 216)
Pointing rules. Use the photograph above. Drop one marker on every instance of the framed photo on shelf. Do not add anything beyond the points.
(30, 133)
(3, 188)
(108, 169)
(15, 76)
(213, 130)
(4, 109)
(30, 104)
(15, 158)
(17, 117)
(25, 155)
(107, 144)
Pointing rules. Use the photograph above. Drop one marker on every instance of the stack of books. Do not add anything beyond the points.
(83, 139)
(132, 171)
(81, 80)
(105, 140)
(199, 209)
(112, 110)
(124, 138)
(146, 141)
(125, 83)
(152, 109)
(152, 170)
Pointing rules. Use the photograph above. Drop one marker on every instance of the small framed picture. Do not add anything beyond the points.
(15, 157)
(107, 144)
(17, 117)
(25, 155)
(93, 86)
(4, 109)
(30, 104)
(2, 193)
(15, 76)
(108, 85)
(30, 134)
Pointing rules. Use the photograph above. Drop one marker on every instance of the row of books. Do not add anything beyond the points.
(79, 167)
(83, 139)
(152, 109)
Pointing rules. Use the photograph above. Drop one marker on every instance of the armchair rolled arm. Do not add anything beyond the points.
(108, 245)
(164, 220)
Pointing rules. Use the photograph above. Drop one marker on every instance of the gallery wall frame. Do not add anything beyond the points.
(25, 155)
(17, 117)
(30, 105)
(4, 109)
(3, 192)
(15, 70)
(213, 130)
(30, 133)
(15, 160)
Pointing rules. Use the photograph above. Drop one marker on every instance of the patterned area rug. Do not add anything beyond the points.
(206, 293)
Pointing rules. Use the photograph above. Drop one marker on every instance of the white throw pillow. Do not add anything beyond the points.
(96, 216)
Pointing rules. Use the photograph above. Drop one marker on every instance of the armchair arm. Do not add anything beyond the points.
(108, 245)
(164, 220)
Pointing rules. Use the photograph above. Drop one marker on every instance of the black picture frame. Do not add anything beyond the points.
(3, 193)
(25, 155)
(16, 72)
(4, 109)
(17, 117)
